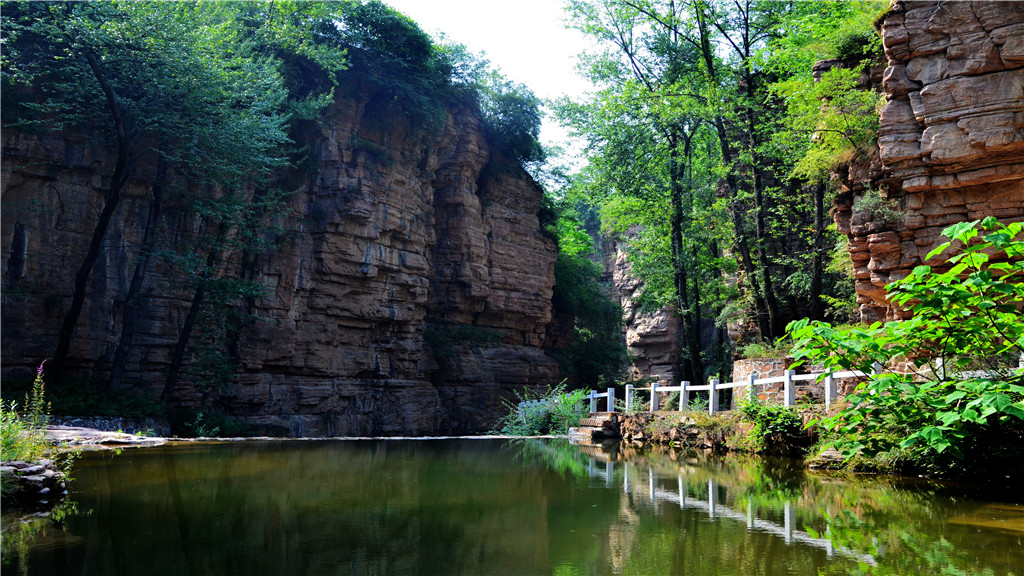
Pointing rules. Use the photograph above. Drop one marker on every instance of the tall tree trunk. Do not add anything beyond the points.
(761, 235)
(817, 255)
(690, 337)
(212, 260)
(112, 199)
(742, 246)
(130, 314)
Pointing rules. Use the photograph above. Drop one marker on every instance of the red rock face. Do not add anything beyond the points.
(951, 136)
(399, 232)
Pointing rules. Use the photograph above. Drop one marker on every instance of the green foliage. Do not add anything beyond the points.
(641, 401)
(189, 423)
(775, 426)
(960, 400)
(871, 207)
(551, 412)
(512, 119)
(179, 78)
(696, 404)
(21, 441)
(762, 349)
(22, 433)
(23, 436)
(409, 71)
(842, 303)
(829, 121)
(692, 155)
(597, 350)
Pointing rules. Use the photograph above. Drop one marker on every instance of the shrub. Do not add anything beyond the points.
(960, 403)
(775, 426)
(762, 349)
(873, 208)
(22, 434)
(189, 423)
(553, 412)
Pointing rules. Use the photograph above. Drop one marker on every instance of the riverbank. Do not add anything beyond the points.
(80, 438)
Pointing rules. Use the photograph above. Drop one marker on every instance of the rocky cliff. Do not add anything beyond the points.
(951, 138)
(410, 292)
(652, 337)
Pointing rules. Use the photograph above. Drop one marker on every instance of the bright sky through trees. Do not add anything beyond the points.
(527, 40)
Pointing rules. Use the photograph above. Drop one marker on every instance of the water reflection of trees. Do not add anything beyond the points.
(757, 512)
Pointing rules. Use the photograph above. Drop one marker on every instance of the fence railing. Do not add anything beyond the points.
(610, 395)
(714, 388)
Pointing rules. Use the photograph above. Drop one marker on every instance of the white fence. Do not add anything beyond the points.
(714, 388)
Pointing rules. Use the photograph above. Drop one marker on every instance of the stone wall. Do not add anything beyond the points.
(951, 137)
(400, 234)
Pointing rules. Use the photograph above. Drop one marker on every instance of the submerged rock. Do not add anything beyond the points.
(32, 485)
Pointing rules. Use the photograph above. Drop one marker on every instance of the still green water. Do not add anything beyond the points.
(501, 507)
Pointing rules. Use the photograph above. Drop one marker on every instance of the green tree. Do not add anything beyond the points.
(650, 156)
(597, 352)
(683, 128)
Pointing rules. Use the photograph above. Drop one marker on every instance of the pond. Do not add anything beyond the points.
(501, 507)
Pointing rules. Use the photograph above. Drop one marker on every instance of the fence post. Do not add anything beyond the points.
(711, 498)
(877, 368)
(593, 402)
(611, 399)
(751, 386)
(788, 521)
(684, 396)
(830, 391)
(629, 397)
(654, 396)
(788, 391)
(713, 397)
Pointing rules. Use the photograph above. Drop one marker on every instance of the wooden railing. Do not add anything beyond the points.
(714, 388)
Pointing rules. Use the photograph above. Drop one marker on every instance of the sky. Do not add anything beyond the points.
(525, 39)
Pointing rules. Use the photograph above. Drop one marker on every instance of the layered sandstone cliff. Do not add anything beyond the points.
(401, 251)
(951, 137)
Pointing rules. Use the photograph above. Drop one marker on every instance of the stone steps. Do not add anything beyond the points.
(597, 425)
